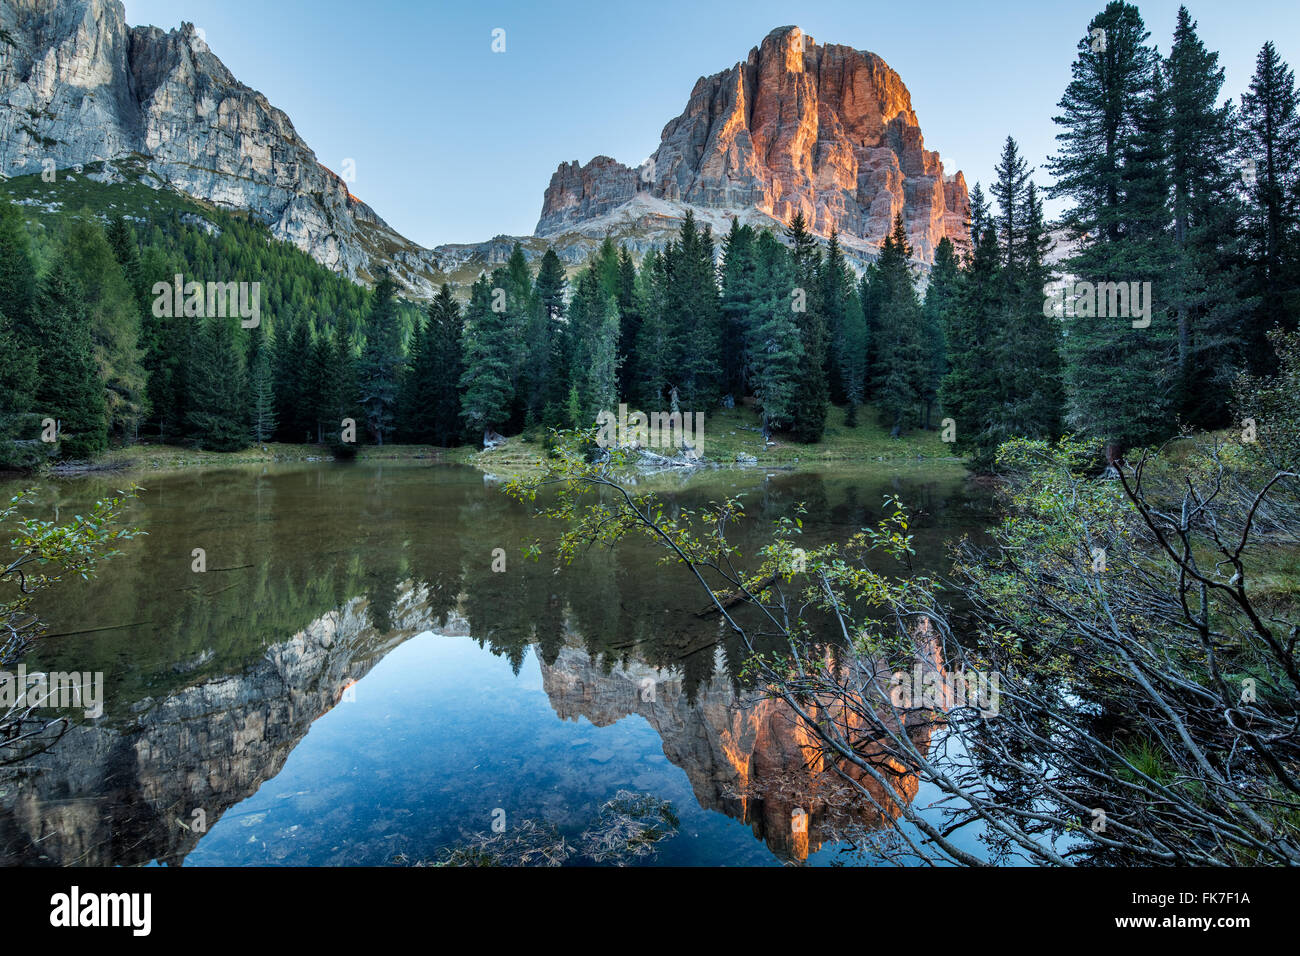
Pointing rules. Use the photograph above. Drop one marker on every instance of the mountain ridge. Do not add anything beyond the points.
(78, 86)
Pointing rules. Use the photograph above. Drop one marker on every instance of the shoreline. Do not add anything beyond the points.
(515, 456)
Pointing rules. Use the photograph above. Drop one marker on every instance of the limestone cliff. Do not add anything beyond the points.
(78, 85)
(828, 131)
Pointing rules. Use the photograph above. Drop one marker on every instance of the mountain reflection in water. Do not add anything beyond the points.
(459, 675)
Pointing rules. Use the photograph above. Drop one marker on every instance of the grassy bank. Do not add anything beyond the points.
(729, 434)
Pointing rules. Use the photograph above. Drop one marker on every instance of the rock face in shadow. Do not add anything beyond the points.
(744, 755)
(77, 85)
(828, 131)
(113, 795)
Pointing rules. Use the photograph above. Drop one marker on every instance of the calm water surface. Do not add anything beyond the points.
(350, 683)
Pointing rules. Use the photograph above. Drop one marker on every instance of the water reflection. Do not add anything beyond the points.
(319, 574)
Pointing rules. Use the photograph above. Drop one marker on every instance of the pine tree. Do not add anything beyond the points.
(941, 301)
(218, 384)
(629, 320)
(517, 281)
(900, 359)
(650, 377)
(1112, 164)
(847, 329)
(337, 396)
(544, 382)
(738, 298)
(592, 336)
(969, 391)
(19, 344)
(773, 345)
(485, 382)
(113, 311)
(17, 272)
(19, 425)
(1207, 284)
(693, 316)
(812, 398)
(261, 389)
(69, 388)
(1270, 137)
(1009, 191)
(292, 389)
(380, 369)
(445, 357)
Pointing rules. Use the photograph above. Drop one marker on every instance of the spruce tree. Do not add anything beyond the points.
(69, 388)
(693, 316)
(941, 301)
(1112, 163)
(900, 358)
(1270, 137)
(543, 382)
(113, 311)
(812, 398)
(847, 329)
(219, 419)
(485, 382)
(738, 297)
(773, 344)
(445, 358)
(379, 371)
(969, 391)
(1208, 282)
(19, 346)
(262, 388)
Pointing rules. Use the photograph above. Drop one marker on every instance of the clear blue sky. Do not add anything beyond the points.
(455, 143)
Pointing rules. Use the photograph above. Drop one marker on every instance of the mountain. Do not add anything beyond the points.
(77, 85)
(828, 131)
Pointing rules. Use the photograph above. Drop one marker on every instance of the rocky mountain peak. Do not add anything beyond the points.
(826, 130)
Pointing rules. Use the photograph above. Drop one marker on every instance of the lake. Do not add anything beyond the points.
(349, 682)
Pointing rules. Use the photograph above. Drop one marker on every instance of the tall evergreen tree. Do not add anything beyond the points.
(1270, 137)
(218, 386)
(445, 356)
(941, 302)
(19, 343)
(773, 344)
(900, 358)
(969, 392)
(1207, 284)
(380, 368)
(694, 317)
(69, 389)
(262, 388)
(485, 382)
(113, 311)
(1112, 165)
(812, 399)
(546, 369)
(738, 297)
(629, 320)
(292, 363)
(847, 329)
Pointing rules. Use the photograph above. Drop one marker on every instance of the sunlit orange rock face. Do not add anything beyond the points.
(746, 756)
(828, 131)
